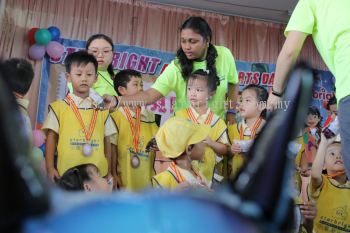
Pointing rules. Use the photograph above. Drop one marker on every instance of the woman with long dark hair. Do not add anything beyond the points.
(101, 46)
(196, 52)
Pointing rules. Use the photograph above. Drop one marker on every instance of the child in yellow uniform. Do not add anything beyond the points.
(133, 165)
(332, 191)
(74, 126)
(183, 142)
(241, 134)
(201, 86)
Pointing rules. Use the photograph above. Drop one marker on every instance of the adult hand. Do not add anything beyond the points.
(272, 102)
(109, 101)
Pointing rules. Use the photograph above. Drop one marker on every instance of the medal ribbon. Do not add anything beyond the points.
(179, 177)
(74, 107)
(193, 118)
(254, 129)
(336, 174)
(135, 127)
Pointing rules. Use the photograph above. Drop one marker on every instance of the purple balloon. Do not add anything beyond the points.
(36, 52)
(54, 49)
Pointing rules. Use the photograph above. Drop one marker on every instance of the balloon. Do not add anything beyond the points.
(37, 155)
(54, 49)
(42, 36)
(38, 138)
(42, 148)
(36, 52)
(55, 33)
(31, 33)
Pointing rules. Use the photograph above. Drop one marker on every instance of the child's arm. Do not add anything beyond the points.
(107, 150)
(51, 142)
(115, 173)
(317, 165)
(218, 147)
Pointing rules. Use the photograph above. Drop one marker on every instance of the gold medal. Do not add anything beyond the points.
(135, 161)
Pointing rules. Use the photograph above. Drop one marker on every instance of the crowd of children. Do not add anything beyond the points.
(91, 149)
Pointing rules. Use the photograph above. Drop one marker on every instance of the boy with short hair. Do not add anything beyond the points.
(75, 125)
(331, 191)
(133, 164)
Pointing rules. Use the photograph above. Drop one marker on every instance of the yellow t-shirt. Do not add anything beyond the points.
(138, 178)
(328, 23)
(165, 180)
(62, 120)
(234, 134)
(218, 132)
(333, 206)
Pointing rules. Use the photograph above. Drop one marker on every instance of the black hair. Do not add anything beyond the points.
(313, 110)
(212, 80)
(78, 58)
(261, 94)
(73, 179)
(331, 101)
(122, 78)
(109, 40)
(19, 73)
(200, 26)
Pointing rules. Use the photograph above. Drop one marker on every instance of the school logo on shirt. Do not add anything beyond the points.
(340, 213)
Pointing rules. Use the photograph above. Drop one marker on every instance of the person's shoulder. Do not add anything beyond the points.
(165, 179)
(222, 49)
(59, 103)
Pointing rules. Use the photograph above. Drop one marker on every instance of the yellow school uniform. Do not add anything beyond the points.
(234, 134)
(333, 206)
(218, 132)
(134, 178)
(174, 175)
(165, 180)
(62, 120)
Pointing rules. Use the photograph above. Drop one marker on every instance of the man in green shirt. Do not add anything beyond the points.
(328, 22)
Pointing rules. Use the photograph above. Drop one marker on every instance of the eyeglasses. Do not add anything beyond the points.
(96, 52)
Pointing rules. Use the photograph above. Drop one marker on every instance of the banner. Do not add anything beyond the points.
(151, 63)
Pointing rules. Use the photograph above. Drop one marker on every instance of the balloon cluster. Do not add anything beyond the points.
(45, 40)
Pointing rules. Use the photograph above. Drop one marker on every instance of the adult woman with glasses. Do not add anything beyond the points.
(101, 46)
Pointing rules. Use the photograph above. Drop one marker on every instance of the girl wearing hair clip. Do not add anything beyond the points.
(196, 52)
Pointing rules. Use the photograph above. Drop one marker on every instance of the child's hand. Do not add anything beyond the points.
(53, 174)
(327, 141)
(109, 101)
(236, 148)
(308, 210)
(208, 141)
(117, 182)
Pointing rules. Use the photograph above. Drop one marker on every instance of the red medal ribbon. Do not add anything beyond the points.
(194, 120)
(254, 129)
(135, 126)
(73, 106)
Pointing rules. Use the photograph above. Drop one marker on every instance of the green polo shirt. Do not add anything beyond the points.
(171, 80)
(328, 21)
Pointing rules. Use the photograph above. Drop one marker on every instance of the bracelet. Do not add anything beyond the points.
(278, 94)
(232, 111)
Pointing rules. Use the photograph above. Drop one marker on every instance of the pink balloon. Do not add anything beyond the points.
(36, 52)
(38, 137)
(54, 49)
